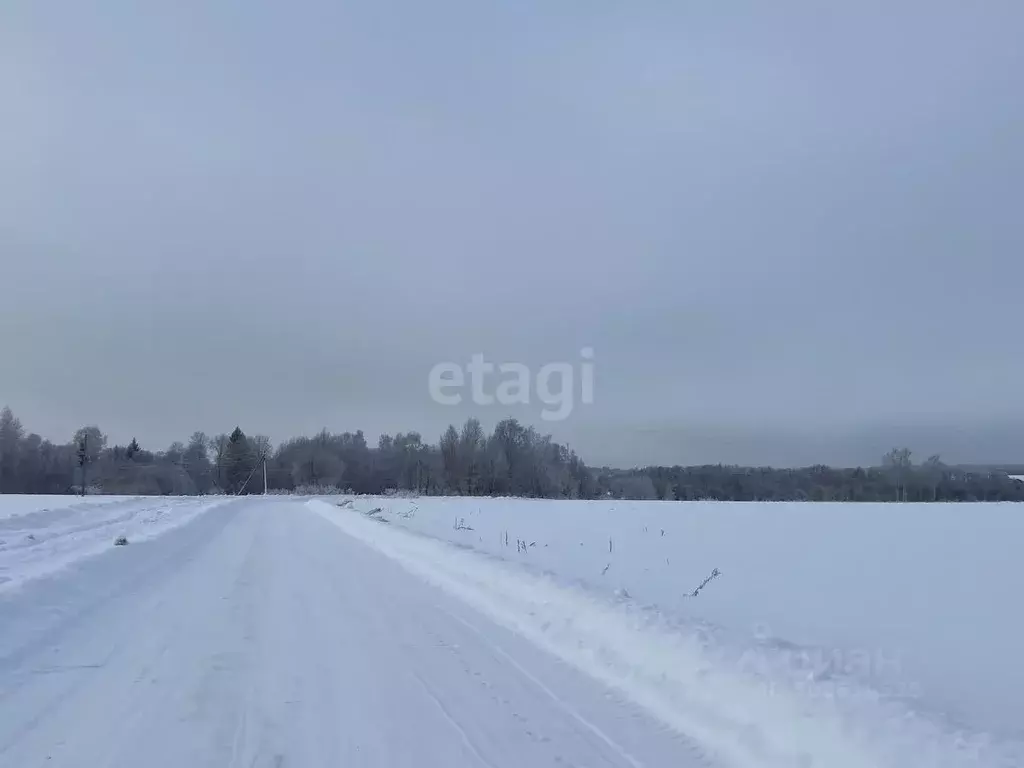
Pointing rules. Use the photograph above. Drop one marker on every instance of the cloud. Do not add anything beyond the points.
(764, 221)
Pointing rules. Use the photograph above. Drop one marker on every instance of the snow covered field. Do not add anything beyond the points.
(40, 535)
(415, 632)
(897, 620)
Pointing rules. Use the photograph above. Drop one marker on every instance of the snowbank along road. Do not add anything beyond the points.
(266, 632)
(40, 535)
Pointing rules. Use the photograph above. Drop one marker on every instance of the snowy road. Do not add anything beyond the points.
(262, 635)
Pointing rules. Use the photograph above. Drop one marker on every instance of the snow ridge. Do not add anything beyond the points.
(42, 541)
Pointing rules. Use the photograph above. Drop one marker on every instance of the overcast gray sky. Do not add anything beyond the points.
(790, 232)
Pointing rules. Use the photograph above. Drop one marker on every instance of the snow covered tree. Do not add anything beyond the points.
(89, 443)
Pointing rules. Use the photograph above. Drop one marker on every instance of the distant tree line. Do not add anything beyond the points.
(896, 479)
(513, 460)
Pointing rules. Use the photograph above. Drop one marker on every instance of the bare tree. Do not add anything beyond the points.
(449, 446)
(196, 462)
(472, 442)
(11, 435)
(934, 469)
(219, 450)
(898, 462)
(261, 445)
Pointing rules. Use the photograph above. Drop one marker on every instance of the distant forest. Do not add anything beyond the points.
(513, 460)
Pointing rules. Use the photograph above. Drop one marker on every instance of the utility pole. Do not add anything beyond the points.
(83, 454)
(255, 466)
